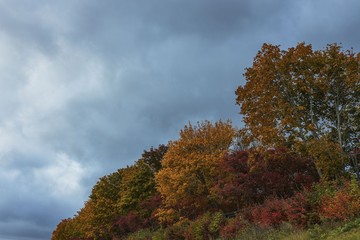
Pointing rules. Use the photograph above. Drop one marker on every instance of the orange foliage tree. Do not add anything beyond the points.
(190, 168)
(295, 95)
(299, 95)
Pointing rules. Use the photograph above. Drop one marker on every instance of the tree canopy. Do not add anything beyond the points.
(294, 95)
(190, 167)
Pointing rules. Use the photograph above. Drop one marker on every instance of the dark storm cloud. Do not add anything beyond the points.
(87, 86)
(25, 26)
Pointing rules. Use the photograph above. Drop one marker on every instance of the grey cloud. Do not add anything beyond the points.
(26, 26)
(87, 86)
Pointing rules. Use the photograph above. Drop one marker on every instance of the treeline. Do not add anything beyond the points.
(295, 161)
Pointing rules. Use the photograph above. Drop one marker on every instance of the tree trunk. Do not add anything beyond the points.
(338, 120)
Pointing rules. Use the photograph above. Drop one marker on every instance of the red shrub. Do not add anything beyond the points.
(342, 203)
(270, 214)
(343, 206)
(298, 210)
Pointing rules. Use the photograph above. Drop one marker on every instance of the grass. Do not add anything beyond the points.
(328, 231)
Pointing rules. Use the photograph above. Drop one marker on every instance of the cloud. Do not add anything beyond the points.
(86, 87)
(34, 195)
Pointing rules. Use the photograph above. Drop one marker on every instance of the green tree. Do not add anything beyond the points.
(102, 204)
(137, 185)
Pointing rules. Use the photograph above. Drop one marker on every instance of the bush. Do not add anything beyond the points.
(298, 210)
(270, 214)
(208, 226)
(232, 227)
(343, 205)
(179, 230)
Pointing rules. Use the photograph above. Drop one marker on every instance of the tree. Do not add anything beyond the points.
(190, 168)
(299, 97)
(118, 200)
(248, 177)
(153, 157)
(101, 210)
(85, 222)
(300, 94)
(137, 185)
(67, 229)
(80, 227)
(340, 73)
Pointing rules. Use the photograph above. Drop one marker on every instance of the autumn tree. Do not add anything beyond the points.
(300, 97)
(139, 198)
(85, 222)
(300, 94)
(137, 184)
(248, 177)
(118, 200)
(79, 227)
(68, 229)
(153, 157)
(104, 210)
(190, 168)
(340, 75)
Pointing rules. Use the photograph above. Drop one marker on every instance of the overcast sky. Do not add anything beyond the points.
(87, 85)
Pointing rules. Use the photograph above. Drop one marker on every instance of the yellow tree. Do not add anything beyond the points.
(67, 229)
(340, 75)
(281, 98)
(298, 96)
(259, 98)
(101, 209)
(189, 169)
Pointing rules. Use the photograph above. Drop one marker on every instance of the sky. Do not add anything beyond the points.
(87, 85)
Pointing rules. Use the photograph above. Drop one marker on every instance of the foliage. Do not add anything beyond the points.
(128, 223)
(137, 184)
(142, 234)
(298, 94)
(179, 230)
(270, 214)
(153, 157)
(250, 177)
(296, 210)
(148, 210)
(232, 227)
(121, 202)
(67, 229)
(103, 206)
(328, 156)
(299, 211)
(190, 168)
(344, 204)
(207, 226)
(139, 199)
